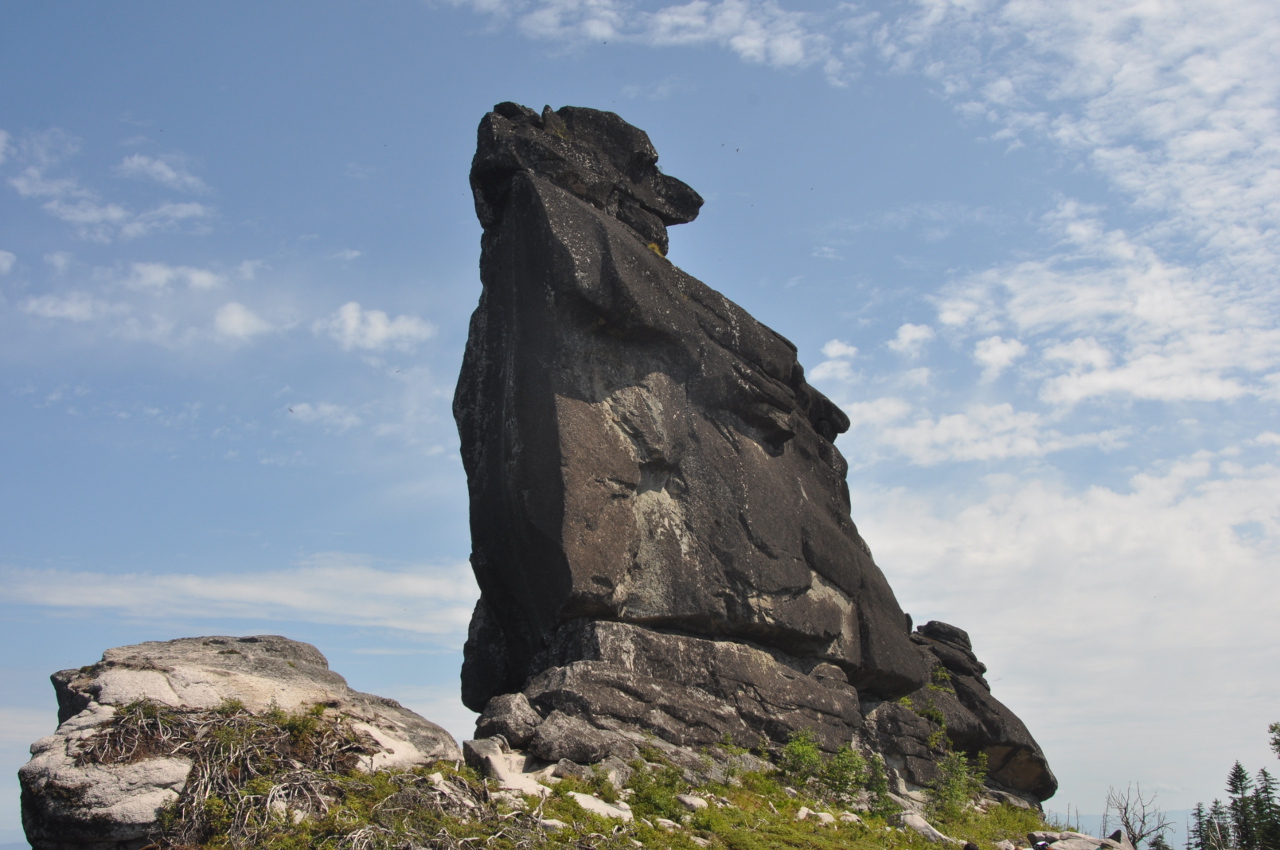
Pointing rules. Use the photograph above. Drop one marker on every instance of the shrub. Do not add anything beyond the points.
(958, 784)
(801, 759)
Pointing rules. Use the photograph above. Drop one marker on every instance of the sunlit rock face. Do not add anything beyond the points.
(656, 498)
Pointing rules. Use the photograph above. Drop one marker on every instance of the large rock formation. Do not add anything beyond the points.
(70, 801)
(660, 518)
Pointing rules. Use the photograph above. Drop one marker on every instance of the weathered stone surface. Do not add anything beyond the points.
(638, 447)
(978, 722)
(510, 716)
(113, 806)
(660, 517)
(689, 691)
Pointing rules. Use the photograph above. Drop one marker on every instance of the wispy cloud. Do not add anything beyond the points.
(158, 276)
(372, 330)
(73, 306)
(982, 432)
(93, 217)
(334, 588)
(335, 416)
(757, 31)
(7, 259)
(1115, 319)
(168, 173)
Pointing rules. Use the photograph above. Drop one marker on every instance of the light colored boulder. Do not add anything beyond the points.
(97, 806)
(495, 761)
(1076, 842)
(619, 811)
(917, 823)
(691, 802)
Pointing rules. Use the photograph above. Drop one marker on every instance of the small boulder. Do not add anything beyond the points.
(510, 716)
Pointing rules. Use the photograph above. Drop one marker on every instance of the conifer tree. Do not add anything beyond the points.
(1195, 829)
(1217, 828)
(1266, 811)
(1240, 786)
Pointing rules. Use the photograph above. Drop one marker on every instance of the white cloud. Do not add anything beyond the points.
(74, 307)
(877, 413)
(1114, 319)
(235, 320)
(165, 217)
(94, 218)
(1146, 593)
(995, 355)
(372, 330)
(331, 415)
(911, 339)
(167, 173)
(7, 259)
(982, 433)
(60, 260)
(835, 349)
(836, 367)
(4, 146)
(334, 588)
(758, 31)
(346, 254)
(158, 276)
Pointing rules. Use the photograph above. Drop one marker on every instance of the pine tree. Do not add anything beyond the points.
(1239, 786)
(1217, 828)
(1266, 811)
(1195, 829)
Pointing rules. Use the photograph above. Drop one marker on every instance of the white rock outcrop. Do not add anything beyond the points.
(91, 806)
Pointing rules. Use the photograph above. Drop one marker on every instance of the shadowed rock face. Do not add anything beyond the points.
(656, 499)
(638, 447)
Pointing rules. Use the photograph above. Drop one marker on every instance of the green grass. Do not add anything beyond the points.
(284, 781)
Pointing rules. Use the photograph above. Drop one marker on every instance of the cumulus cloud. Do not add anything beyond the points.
(7, 259)
(167, 173)
(910, 339)
(236, 321)
(995, 355)
(838, 366)
(334, 588)
(373, 330)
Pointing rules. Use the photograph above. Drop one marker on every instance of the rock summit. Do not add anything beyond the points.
(660, 517)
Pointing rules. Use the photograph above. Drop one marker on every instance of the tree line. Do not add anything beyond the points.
(1248, 820)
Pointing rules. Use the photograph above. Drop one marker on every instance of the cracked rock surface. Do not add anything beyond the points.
(660, 518)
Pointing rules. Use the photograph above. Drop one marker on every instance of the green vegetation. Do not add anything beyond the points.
(287, 781)
(1249, 820)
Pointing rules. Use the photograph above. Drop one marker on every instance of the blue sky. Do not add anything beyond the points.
(1030, 246)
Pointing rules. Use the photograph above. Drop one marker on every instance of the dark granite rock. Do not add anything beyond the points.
(638, 448)
(975, 720)
(660, 517)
